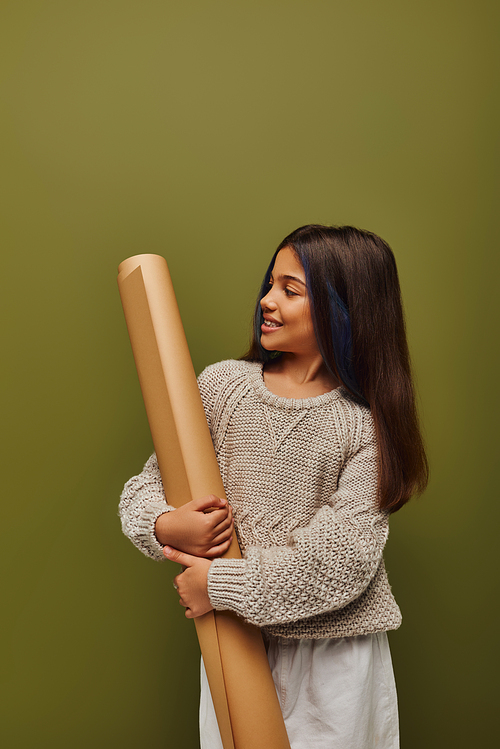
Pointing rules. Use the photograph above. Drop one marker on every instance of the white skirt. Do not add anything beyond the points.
(334, 694)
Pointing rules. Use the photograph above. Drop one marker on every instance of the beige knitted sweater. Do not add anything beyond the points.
(301, 478)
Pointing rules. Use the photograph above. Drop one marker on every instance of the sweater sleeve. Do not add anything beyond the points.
(325, 565)
(143, 498)
(142, 502)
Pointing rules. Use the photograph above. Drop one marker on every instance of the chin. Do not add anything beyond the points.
(267, 347)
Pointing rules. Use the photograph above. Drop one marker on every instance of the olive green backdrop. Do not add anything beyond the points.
(206, 132)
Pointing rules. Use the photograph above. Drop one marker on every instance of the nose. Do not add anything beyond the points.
(267, 302)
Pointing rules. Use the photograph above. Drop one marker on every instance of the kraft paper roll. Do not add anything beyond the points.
(238, 672)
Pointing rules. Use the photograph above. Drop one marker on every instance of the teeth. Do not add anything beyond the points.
(270, 324)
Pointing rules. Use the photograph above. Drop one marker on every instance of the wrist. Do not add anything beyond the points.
(163, 528)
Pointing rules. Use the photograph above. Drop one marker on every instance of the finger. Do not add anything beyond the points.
(224, 525)
(217, 551)
(220, 538)
(215, 517)
(205, 503)
(178, 556)
(221, 534)
(224, 522)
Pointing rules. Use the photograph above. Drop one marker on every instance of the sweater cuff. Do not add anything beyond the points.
(226, 585)
(146, 528)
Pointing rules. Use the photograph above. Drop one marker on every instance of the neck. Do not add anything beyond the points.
(298, 376)
(302, 369)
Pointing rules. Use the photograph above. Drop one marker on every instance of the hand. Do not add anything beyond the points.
(196, 528)
(191, 584)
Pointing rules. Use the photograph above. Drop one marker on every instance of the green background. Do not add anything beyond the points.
(205, 132)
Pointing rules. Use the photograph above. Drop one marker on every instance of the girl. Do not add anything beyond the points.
(317, 439)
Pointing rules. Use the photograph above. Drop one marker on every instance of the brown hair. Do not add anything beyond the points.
(358, 318)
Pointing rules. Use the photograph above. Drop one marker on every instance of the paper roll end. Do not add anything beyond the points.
(131, 263)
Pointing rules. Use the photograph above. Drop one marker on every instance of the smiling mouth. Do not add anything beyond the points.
(270, 324)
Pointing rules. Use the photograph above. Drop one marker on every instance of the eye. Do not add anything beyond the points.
(289, 292)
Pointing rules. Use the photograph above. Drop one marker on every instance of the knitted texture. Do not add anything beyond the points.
(141, 504)
(301, 476)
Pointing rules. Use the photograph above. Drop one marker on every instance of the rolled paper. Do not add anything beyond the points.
(241, 684)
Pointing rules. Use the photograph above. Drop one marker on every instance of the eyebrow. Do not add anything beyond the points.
(290, 278)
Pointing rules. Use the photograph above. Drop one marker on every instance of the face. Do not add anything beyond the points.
(287, 324)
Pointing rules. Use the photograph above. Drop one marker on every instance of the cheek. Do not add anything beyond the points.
(308, 327)
(306, 319)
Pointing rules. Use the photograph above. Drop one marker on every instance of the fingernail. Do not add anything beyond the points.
(167, 550)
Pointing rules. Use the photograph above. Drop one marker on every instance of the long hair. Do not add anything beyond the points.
(357, 313)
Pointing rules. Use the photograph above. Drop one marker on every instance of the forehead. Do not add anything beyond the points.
(288, 264)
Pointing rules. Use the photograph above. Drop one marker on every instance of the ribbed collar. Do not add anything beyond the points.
(256, 378)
